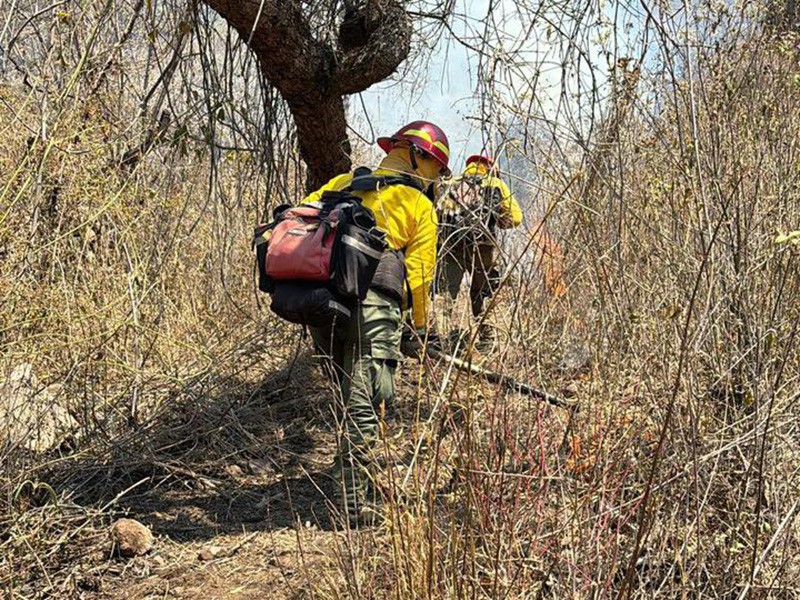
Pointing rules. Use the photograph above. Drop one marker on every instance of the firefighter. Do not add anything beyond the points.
(365, 356)
(478, 204)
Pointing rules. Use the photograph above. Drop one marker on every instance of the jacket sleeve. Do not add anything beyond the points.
(421, 259)
(510, 212)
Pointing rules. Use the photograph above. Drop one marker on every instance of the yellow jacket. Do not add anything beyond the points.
(409, 220)
(510, 212)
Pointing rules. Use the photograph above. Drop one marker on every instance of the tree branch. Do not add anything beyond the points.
(312, 76)
(387, 44)
(280, 35)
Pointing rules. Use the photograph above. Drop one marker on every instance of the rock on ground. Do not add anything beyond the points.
(30, 415)
(131, 538)
(209, 553)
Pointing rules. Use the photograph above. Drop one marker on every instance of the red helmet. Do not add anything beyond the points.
(487, 160)
(424, 135)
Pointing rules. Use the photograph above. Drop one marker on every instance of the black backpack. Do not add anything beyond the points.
(360, 257)
(475, 211)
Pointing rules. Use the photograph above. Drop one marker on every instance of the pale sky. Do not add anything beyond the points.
(527, 53)
(446, 98)
(448, 92)
(527, 56)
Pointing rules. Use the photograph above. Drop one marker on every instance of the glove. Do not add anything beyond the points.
(447, 205)
(413, 342)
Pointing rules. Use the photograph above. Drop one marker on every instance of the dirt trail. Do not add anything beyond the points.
(251, 533)
(257, 562)
(238, 526)
(243, 509)
(236, 493)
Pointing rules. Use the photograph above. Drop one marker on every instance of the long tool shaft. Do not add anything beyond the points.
(504, 380)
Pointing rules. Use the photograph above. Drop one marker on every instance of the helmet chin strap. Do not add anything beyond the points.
(412, 152)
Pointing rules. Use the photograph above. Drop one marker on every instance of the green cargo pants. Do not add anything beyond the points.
(364, 359)
(478, 260)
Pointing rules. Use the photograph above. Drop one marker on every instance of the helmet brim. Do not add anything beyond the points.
(385, 144)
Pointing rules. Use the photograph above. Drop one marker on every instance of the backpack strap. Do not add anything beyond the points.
(331, 199)
(364, 181)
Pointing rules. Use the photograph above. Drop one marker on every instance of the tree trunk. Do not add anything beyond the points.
(314, 76)
(322, 136)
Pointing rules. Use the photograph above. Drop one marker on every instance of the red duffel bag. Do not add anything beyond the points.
(301, 245)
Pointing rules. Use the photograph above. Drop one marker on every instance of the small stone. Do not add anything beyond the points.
(234, 470)
(209, 553)
(131, 538)
(205, 555)
(570, 390)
